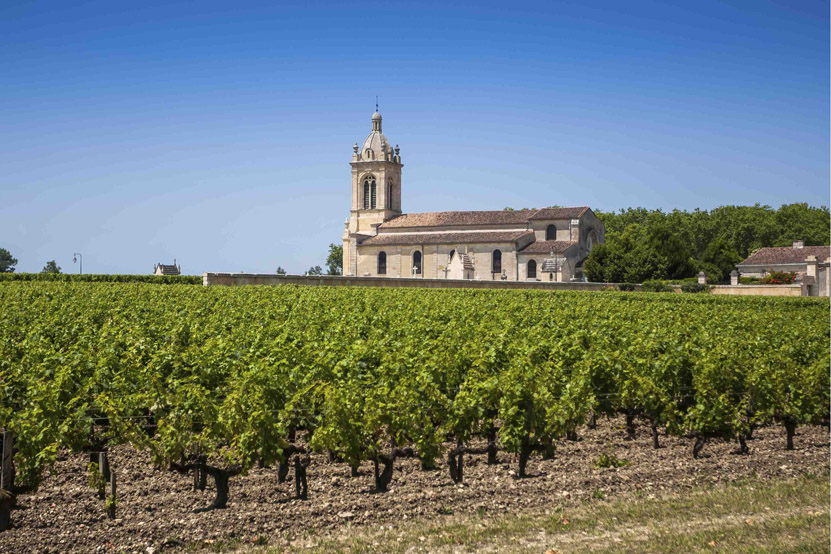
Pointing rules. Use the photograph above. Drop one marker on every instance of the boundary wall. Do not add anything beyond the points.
(238, 279)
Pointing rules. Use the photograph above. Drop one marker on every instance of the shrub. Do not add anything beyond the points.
(626, 287)
(694, 287)
(655, 286)
(779, 278)
(749, 280)
(104, 278)
(607, 460)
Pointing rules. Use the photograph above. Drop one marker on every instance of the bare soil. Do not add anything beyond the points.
(157, 509)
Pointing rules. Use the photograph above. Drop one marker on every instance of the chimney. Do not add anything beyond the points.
(798, 244)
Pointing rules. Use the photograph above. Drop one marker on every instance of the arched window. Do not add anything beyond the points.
(450, 256)
(532, 269)
(591, 240)
(551, 233)
(369, 192)
(382, 263)
(496, 261)
(417, 262)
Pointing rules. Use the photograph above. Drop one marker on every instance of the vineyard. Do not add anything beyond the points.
(220, 382)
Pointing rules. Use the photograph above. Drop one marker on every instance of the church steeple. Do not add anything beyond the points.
(376, 188)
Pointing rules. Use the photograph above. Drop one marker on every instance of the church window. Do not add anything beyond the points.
(450, 256)
(532, 269)
(497, 261)
(374, 195)
(366, 195)
(369, 192)
(382, 263)
(417, 262)
(551, 233)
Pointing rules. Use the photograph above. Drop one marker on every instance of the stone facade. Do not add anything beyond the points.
(548, 244)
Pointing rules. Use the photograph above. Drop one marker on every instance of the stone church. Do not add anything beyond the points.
(549, 244)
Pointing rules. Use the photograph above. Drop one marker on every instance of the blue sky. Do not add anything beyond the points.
(219, 133)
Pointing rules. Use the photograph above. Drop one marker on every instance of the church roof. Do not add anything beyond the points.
(787, 255)
(446, 238)
(548, 246)
(489, 217)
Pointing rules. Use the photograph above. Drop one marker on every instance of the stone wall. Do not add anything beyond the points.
(237, 279)
(758, 290)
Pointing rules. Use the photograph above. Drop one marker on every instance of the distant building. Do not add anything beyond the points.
(810, 263)
(161, 269)
(549, 244)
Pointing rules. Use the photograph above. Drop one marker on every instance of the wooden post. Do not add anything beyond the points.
(196, 470)
(6, 460)
(111, 500)
(104, 470)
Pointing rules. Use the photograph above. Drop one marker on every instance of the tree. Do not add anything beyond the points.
(334, 263)
(280, 271)
(7, 261)
(51, 267)
(316, 270)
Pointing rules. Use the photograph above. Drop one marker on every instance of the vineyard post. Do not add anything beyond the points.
(104, 470)
(111, 500)
(6, 461)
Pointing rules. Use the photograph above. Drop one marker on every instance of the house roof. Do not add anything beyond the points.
(548, 246)
(168, 269)
(488, 217)
(787, 255)
(446, 238)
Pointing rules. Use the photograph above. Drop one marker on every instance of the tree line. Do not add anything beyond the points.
(644, 244)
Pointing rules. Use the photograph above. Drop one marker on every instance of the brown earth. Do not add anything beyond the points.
(156, 508)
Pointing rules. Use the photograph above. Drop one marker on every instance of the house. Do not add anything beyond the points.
(810, 263)
(161, 269)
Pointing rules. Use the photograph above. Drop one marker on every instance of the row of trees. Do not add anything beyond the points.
(646, 244)
(9, 262)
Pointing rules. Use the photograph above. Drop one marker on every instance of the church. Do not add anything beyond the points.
(548, 244)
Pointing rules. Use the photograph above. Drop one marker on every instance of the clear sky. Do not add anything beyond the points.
(219, 133)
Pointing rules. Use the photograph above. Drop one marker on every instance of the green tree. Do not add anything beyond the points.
(334, 263)
(315, 270)
(280, 271)
(51, 267)
(7, 261)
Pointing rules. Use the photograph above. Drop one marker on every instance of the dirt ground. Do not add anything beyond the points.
(156, 508)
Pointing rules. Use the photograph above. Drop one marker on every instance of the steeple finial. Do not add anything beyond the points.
(376, 102)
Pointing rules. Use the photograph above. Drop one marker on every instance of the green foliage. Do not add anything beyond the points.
(104, 278)
(750, 280)
(607, 460)
(94, 478)
(651, 244)
(627, 287)
(655, 286)
(231, 371)
(281, 271)
(51, 267)
(315, 270)
(7, 261)
(334, 263)
(779, 278)
(694, 287)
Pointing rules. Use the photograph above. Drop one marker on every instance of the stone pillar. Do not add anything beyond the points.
(734, 277)
(811, 266)
(702, 278)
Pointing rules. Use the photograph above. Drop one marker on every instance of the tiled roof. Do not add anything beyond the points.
(787, 255)
(560, 213)
(169, 269)
(446, 238)
(492, 217)
(548, 246)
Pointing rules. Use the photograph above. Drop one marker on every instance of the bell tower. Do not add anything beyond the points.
(376, 190)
